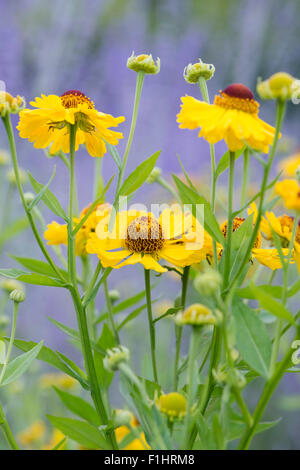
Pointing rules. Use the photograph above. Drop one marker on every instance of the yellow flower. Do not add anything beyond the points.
(290, 164)
(49, 123)
(31, 435)
(281, 86)
(55, 439)
(138, 237)
(173, 405)
(136, 444)
(233, 117)
(57, 234)
(196, 314)
(289, 190)
(58, 380)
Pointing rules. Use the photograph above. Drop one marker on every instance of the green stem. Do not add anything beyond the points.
(11, 340)
(227, 253)
(280, 110)
(194, 341)
(178, 328)
(245, 177)
(151, 324)
(7, 431)
(169, 188)
(92, 283)
(8, 127)
(110, 313)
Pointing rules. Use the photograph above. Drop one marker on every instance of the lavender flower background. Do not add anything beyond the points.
(50, 47)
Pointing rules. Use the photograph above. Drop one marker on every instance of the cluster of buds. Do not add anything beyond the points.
(197, 315)
(143, 63)
(114, 357)
(173, 405)
(280, 86)
(193, 72)
(10, 104)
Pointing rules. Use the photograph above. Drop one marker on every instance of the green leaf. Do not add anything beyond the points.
(41, 193)
(48, 198)
(31, 278)
(115, 154)
(13, 229)
(252, 340)
(189, 196)
(224, 161)
(186, 175)
(170, 311)
(83, 433)
(272, 305)
(139, 175)
(38, 266)
(20, 364)
(79, 406)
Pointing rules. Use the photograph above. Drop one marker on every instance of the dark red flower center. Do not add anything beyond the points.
(238, 90)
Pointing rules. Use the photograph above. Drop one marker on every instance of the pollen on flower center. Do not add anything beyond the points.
(73, 98)
(288, 221)
(237, 96)
(144, 235)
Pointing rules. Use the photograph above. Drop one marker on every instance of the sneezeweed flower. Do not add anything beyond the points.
(4, 157)
(10, 104)
(49, 123)
(33, 434)
(193, 72)
(143, 63)
(173, 405)
(290, 164)
(57, 234)
(139, 237)
(280, 86)
(289, 190)
(196, 315)
(233, 117)
(63, 381)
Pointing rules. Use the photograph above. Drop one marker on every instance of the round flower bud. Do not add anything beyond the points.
(173, 405)
(143, 63)
(122, 418)
(193, 72)
(11, 284)
(114, 295)
(4, 321)
(11, 177)
(10, 104)
(29, 197)
(114, 357)
(196, 314)
(297, 174)
(281, 86)
(4, 157)
(208, 283)
(17, 295)
(236, 378)
(154, 175)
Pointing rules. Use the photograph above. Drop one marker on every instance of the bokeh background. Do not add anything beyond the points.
(50, 47)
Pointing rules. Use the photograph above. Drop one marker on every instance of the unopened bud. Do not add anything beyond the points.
(196, 314)
(280, 86)
(10, 104)
(114, 295)
(17, 295)
(143, 63)
(11, 177)
(154, 175)
(4, 157)
(297, 174)
(208, 282)
(114, 357)
(122, 418)
(193, 72)
(10, 284)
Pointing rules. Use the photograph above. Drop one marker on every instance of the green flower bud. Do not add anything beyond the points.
(11, 177)
(10, 104)
(122, 418)
(208, 283)
(4, 321)
(11, 284)
(4, 157)
(280, 86)
(297, 174)
(114, 295)
(29, 197)
(196, 315)
(193, 72)
(114, 357)
(154, 175)
(17, 295)
(143, 63)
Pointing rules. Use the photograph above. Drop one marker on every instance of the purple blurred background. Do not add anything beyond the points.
(51, 47)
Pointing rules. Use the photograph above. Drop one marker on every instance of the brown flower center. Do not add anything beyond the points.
(144, 235)
(237, 96)
(72, 98)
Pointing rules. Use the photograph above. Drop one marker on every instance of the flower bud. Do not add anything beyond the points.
(154, 175)
(297, 174)
(114, 357)
(173, 405)
(4, 157)
(143, 63)
(208, 282)
(281, 86)
(11, 177)
(11, 284)
(196, 314)
(10, 104)
(17, 295)
(29, 197)
(114, 295)
(122, 418)
(236, 378)
(193, 72)
(4, 321)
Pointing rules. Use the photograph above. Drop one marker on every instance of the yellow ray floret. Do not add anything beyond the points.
(48, 124)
